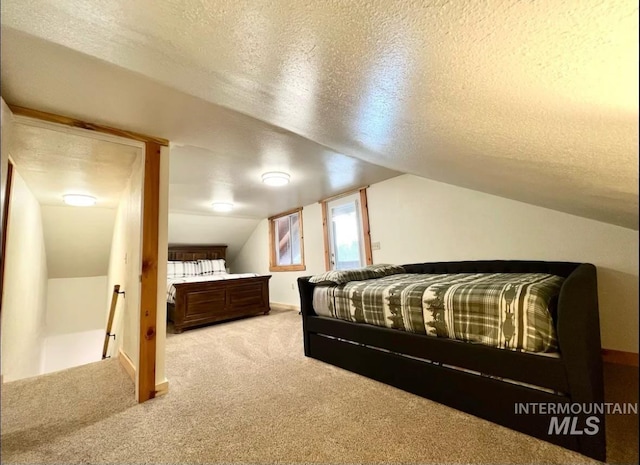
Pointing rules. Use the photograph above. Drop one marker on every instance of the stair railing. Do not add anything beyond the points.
(112, 311)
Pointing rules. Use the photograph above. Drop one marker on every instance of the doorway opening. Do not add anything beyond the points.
(137, 254)
(61, 256)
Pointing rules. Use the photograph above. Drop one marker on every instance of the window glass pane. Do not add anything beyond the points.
(346, 236)
(296, 258)
(283, 241)
(286, 252)
(287, 246)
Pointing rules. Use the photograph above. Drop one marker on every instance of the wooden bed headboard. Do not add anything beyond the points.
(197, 252)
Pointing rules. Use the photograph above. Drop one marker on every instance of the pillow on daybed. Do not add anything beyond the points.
(212, 266)
(358, 274)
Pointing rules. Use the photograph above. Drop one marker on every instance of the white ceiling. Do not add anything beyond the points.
(208, 229)
(535, 101)
(54, 163)
(216, 154)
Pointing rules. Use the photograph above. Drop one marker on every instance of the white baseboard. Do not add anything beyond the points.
(127, 364)
(161, 388)
(281, 306)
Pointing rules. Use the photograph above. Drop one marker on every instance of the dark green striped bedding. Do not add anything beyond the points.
(504, 310)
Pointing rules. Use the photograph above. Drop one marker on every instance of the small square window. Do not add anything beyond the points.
(286, 242)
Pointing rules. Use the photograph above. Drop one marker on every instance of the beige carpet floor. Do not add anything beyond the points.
(243, 392)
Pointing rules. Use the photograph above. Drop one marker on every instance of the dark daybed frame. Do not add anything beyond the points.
(202, 303)
(381, 354)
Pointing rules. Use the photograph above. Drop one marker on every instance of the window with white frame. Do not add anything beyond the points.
(346, 232)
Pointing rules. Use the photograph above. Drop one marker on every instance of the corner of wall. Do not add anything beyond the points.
(163, 249)
(25, 287)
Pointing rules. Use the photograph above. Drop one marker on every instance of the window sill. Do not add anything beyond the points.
(288, 268)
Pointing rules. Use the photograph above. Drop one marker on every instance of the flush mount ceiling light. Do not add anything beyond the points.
(78, 200)
(222, 206)
(275, 178)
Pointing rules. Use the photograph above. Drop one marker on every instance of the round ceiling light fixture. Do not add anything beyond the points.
(275, 178)
(79, 200)
(222, 206)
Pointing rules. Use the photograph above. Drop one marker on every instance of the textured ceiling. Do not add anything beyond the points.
(216, 154)
(535, 101)
(198, 176)
(54, 163)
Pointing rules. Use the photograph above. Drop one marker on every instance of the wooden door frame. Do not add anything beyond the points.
(146, 370)
(5, 225)
(149, 279)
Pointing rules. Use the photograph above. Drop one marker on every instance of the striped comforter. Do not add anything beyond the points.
(504, 310)
(171, 290)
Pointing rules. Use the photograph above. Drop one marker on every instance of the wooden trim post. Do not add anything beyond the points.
(149, 277)
(76, 123)
(325, 236)
(366, 230)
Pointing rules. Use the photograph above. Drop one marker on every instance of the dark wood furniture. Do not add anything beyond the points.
(202, 303)
(183, 253)
(416, 363)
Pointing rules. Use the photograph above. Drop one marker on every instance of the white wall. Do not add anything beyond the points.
(25, 286)
(76, 305)
(75, 322)
(6, 129)
(201, 229)
(419, 220)
(78, 240)
(163, 231)
(117, 272)
(62, 351)
(6, 124)
(406, 216)
(125, 267)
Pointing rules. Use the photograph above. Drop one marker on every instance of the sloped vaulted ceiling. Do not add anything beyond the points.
(535, 101)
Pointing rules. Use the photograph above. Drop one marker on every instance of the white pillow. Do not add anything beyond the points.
(192, 268)
(183, 269)
(171, 269)
(212, 266)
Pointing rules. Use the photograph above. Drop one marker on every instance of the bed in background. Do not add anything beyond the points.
(198, 303)
(485, 381)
